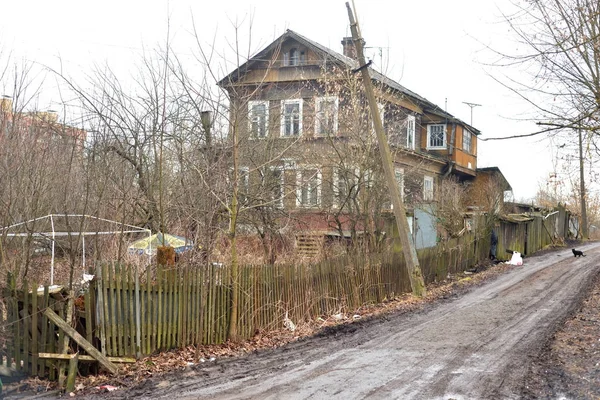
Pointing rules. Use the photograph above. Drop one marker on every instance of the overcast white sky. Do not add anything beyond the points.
(434, 48)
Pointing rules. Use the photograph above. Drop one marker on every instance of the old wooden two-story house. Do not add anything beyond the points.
(308, 150)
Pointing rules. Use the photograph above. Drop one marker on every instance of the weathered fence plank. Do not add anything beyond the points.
(80, 340)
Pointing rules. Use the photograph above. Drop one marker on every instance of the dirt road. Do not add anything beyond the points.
(478, 345)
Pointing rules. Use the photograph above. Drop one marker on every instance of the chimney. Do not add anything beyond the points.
(349, 48)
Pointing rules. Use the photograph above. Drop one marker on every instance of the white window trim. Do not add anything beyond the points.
(411, 122)
(319, 177)
(318, 101)
(251, 104)
(428, 195)
(444, 145)
(282, 127)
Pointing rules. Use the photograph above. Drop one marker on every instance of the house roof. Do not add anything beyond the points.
(496, 171)
(345, 61)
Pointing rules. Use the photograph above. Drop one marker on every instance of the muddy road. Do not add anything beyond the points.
(477, 345)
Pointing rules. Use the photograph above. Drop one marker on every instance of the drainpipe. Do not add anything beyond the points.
(450, 167)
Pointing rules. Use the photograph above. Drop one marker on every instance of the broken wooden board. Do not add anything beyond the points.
(59, 356)
(80, 340)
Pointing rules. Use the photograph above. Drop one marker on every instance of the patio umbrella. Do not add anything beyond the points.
(148, 245)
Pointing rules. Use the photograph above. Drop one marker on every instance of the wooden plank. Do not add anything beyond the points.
(159, 316)
(106, 309)
(44, 338)
(168, 308)
(180, 313)
(202, 304)
(131, 301)
(52, 338)
(112, 299)
(72, 373)
(119, 310)
(148, 311)
(143, 307)
(34, 331)
(87, 303)
(80, 340)
(173, 322)
(59, 356)
(125, 322)
(64, 343)
(99, 286)
(26, 327)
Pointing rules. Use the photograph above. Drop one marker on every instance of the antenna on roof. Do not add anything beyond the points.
(472, 105)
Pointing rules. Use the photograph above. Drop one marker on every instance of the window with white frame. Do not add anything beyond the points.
(326, 113)
(410, 132)
(308, 187)
(467, 138)
(428, 188)
(436, 136)
(291, 118)
(258, 118)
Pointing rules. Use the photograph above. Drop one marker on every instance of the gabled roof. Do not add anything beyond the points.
(344, 61)
(496, 171)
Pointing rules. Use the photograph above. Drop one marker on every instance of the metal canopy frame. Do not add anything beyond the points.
(53, 234)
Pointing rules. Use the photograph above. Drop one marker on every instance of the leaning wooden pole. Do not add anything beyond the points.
(410, 253)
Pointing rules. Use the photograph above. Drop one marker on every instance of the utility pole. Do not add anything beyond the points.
(584, 225)
(410, 253)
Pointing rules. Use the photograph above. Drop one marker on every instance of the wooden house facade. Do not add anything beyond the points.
(307, 146)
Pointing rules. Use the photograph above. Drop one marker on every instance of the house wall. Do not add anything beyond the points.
(462, 157)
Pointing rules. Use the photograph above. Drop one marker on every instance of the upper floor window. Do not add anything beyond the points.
(436, 136)
(428, 188)
(291, 118)
(410, 132)
(294, 57)
(308, 189)
(467, 139)
(326, 112)
(258, 118)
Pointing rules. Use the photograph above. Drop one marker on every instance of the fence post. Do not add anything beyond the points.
(138, 334)
(99, 282)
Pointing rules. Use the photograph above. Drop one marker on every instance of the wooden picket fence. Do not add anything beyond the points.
(32, 333)
(127, 312)
(171, 307)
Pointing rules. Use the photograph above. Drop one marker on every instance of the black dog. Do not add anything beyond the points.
(577, 253)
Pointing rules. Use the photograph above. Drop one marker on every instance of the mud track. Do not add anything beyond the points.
(479, 345)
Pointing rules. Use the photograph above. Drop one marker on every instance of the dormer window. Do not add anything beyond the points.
(294, 57)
